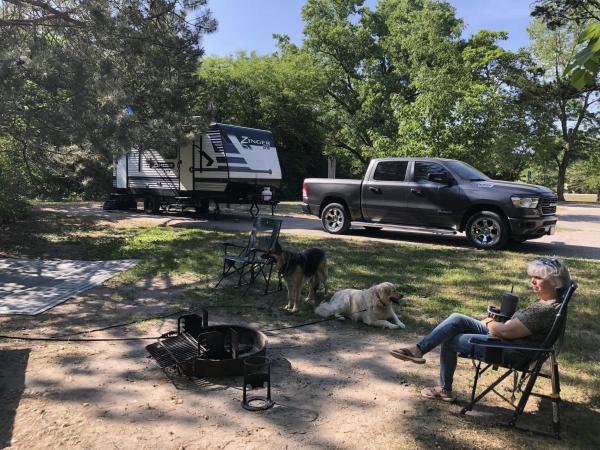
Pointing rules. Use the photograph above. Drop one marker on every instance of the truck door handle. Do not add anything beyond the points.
(375, 189)
(416, 191)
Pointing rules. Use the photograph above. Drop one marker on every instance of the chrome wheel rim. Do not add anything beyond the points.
(486, 231)
(334, 219)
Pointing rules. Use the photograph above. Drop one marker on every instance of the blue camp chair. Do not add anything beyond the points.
(246, 261)
(524, 361)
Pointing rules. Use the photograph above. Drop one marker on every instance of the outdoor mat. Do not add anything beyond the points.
(31, 287)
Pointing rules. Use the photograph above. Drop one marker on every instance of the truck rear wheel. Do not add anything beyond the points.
(335, 218)
(487, 230)
(151, 204)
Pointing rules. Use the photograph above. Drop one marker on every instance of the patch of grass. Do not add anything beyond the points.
(436, 280)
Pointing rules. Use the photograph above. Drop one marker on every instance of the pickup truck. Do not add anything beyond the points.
(433, 194)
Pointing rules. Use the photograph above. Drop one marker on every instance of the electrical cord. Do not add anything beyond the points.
(24, 338)
(66, 337)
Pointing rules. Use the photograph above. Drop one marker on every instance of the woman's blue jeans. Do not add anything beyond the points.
(453, 335)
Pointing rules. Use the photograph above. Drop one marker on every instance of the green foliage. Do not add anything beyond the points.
(566, 117)
(584, 175)
(402, 82)
(66, 82)
(583, 70)
(13, 203)
(278, 93)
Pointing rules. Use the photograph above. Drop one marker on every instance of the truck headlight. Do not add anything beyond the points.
(525, 202)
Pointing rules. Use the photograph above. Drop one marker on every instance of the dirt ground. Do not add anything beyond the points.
(334, 383)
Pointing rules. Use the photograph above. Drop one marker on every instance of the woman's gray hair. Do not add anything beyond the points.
(550, 268)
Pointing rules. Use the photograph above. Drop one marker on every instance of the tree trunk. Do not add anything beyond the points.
(562, 171)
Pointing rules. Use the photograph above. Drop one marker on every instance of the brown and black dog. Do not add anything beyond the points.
(296, 268)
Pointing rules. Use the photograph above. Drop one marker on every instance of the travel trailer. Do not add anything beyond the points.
(226, 164)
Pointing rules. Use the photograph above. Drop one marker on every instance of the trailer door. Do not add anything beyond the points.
(121, 164)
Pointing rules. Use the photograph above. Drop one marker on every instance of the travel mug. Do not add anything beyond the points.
(509, 304)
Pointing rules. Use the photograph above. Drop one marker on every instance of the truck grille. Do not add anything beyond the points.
(548, 205)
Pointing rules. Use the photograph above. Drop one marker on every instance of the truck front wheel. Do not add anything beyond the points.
(335, 218)
(487, 230)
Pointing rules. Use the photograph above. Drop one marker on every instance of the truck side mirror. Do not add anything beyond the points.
(439, 178)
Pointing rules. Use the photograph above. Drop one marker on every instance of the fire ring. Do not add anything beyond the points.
(199, 350)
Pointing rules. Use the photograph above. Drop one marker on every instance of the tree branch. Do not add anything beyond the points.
(53, 12)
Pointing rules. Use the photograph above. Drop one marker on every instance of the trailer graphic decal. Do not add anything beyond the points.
(231, 160)
(247, 142)
(209, 160)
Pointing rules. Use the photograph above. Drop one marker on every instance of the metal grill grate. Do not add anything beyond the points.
(174, 350)
(548, 205)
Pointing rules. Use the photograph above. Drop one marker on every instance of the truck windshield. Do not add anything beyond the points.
(466, 172)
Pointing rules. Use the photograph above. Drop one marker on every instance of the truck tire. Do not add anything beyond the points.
(335, 218)
(151, 204)
(487, 230)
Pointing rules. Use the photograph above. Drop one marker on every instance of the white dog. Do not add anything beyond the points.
(372, 306)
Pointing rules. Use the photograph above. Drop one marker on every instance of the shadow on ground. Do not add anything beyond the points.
(13, 364)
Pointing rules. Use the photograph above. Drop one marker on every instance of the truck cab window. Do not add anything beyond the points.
(424, 168)
(390, 171)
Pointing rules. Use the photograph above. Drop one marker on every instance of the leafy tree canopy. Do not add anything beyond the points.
(401, 81)
(278, 92)
(80, 79)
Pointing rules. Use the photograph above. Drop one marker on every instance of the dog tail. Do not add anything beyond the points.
(324, 310)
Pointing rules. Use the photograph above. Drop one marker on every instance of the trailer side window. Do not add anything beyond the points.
(390, 171)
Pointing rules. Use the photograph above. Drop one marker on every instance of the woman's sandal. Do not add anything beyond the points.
(437, 392)
(405, 355)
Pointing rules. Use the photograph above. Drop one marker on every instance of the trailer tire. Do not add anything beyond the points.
(335, 218)
(203, 208)
(152, 204)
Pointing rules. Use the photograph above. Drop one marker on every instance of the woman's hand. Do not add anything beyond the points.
(487, 320)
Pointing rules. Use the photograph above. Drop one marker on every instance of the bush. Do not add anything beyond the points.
(13, 204)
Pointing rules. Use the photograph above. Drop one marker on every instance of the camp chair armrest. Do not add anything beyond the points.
(258, 250)
(506, 345)
(230, 244)
(227, 245)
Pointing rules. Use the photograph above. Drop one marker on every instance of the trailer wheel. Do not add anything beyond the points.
(335, 218)
(151, 204)
(203, 208)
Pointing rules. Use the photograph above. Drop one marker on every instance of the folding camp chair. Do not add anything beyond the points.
(524, 361)
(246, 261)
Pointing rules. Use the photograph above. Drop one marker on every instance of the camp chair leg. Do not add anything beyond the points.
(241, 276)
(469, 407)
(526, 393)
(555, 398)
(224, 273)
(499, 380)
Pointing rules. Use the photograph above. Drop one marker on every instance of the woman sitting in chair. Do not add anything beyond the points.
(549, 279)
